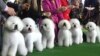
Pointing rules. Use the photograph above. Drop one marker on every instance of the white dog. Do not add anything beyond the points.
(32, 35)
(64, 34)
(11, 1)
(93, 32)
(48, 32)
(76, 30)
(12, 38)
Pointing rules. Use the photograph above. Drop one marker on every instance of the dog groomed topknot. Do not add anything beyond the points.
(13, 40)
(64, 34)
(91, 26)
(32, 35)
(75, 23)
(47, 24)
(48, 33)
(93, 33)
(76, 30)
(64, 24)
(29, 24)
(13, 22)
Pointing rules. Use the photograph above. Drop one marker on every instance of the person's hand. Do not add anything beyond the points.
(48, 14)
(11, 11)
(26, 6)
(71, 6)
(61, 9)
(64, 8)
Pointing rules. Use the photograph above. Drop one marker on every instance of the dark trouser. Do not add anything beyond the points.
(35, 15)
(2, 20)
(1, 35)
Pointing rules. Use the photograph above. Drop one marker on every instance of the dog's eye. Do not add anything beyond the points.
(73, 23)
(90, 26)
(26, 25)
(45, 25)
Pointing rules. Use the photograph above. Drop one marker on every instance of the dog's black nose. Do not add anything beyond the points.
(16, 27)
(64, 24)
(29, 29)
(41, 27)
(74, 26)
(88, 27)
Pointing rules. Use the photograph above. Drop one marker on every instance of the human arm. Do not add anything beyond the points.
(7, 9)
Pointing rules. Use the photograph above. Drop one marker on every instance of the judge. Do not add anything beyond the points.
(90, 12)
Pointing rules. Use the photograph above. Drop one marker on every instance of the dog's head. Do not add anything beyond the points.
(47, 24)
(13, 23)
(64, 24)
(29, 25)
(12, 1)
(75, 23)
(91, 26)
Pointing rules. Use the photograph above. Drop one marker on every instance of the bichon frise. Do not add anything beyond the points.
(32, 35)
(76, 30)
(13, 40)
(64, 34)
(93, 32)
(47, 28)
(12, 1)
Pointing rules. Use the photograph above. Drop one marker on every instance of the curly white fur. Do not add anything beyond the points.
(76, 30)
(11, 1)
(47, 28)
(64, 34)
(32, 35)
(93, 32)
(13, 40)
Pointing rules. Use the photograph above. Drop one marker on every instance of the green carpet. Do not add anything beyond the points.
(84, 49)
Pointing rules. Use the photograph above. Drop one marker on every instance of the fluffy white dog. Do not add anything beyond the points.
(47, 28)
(76, 30)
(11, 1)
(64, 34)
(93, 32)
(13, 40)
(32, 35)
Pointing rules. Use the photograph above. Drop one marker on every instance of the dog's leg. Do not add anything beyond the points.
(44, 42)
(12, 50)
(66, 42)
(30, 46)
(50, 43)
(5, 50)
(39, 45)
(70, 41)
(77, 40)
(81, 39)
(98, 38)
(93, 39)
(22, 48)
(88, 39)
(60, 41)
